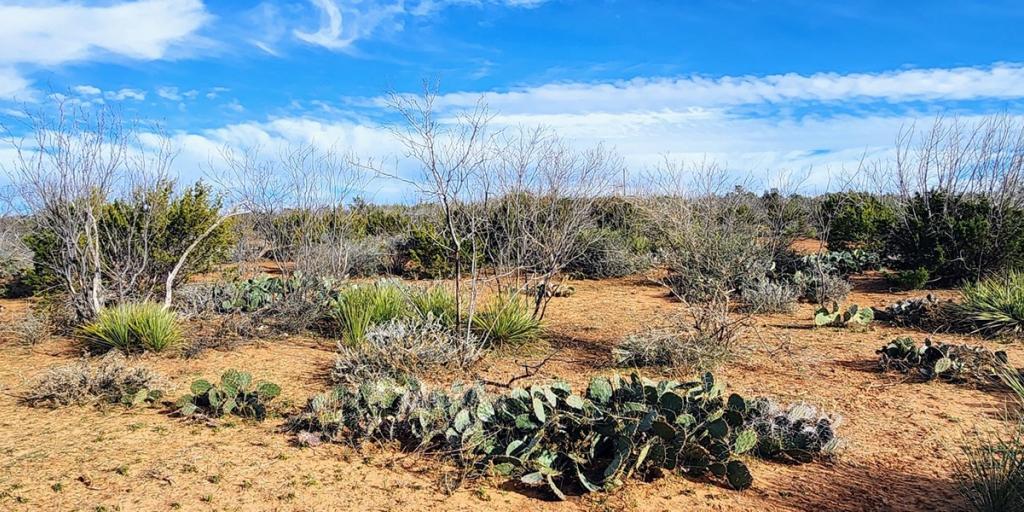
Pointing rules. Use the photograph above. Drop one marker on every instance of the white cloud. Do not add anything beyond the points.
(125, 94)
(343, 22)
(1002, 81)
(87, 90)
(37, 34)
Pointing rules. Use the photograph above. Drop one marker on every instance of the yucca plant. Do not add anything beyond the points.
(990, 475)
(133, 328)
(506, 320)
(993, 306)
(437, 302)
(360, 307)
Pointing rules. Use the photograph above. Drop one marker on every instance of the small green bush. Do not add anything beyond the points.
(857, 220)
(133, 328)
(993, 306)
(236, 394)
(506, 321)
(909, 279)
(359, 307)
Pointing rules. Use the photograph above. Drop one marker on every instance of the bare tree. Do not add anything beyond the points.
(295, 203)
(545, 196)
(452, 154)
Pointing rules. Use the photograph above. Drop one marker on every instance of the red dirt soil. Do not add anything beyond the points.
(901, 437)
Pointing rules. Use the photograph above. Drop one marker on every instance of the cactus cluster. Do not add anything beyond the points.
(547, 435)
(954, 363)
(234, 394)
(853, 316)
(797, 433)
(842, 263)
(919, 312)
(259, 292)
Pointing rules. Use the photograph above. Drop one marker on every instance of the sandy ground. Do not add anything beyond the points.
(901, 437)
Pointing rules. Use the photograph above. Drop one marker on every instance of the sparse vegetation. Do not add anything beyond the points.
(110, 379)
(954, 363)
(406, 347)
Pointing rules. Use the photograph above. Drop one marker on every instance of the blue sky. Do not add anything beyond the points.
(758, 85)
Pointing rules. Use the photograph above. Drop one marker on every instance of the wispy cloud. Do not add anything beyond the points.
(44, 34)
(1001, 81)
(343, 22)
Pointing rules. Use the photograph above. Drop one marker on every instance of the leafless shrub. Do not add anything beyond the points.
(196, 300)
(343, 257)
(404, 347)
(823, 287)
(109, 379)
(703, 341)
(715, 235)
(765, 296)
(32, 328)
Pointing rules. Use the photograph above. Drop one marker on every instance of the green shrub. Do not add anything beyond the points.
(148, 230)
(109, 380)
(236, 394)
(857, 220)
(424, 253)
(909, 279)
(957, 238)
(993, 306)
(133, 328)
(506, 320)
(549, 436)
(359, 307)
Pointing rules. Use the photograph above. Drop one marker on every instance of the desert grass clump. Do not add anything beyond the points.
(506, 321)
(110, 379)
(133, 328)
(358, 308)
(993, 306)
(404, 347)
(764, 296)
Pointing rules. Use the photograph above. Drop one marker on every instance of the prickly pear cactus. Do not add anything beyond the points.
(234, 394)
(548, 435)
(854, 316)
(954, 363)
